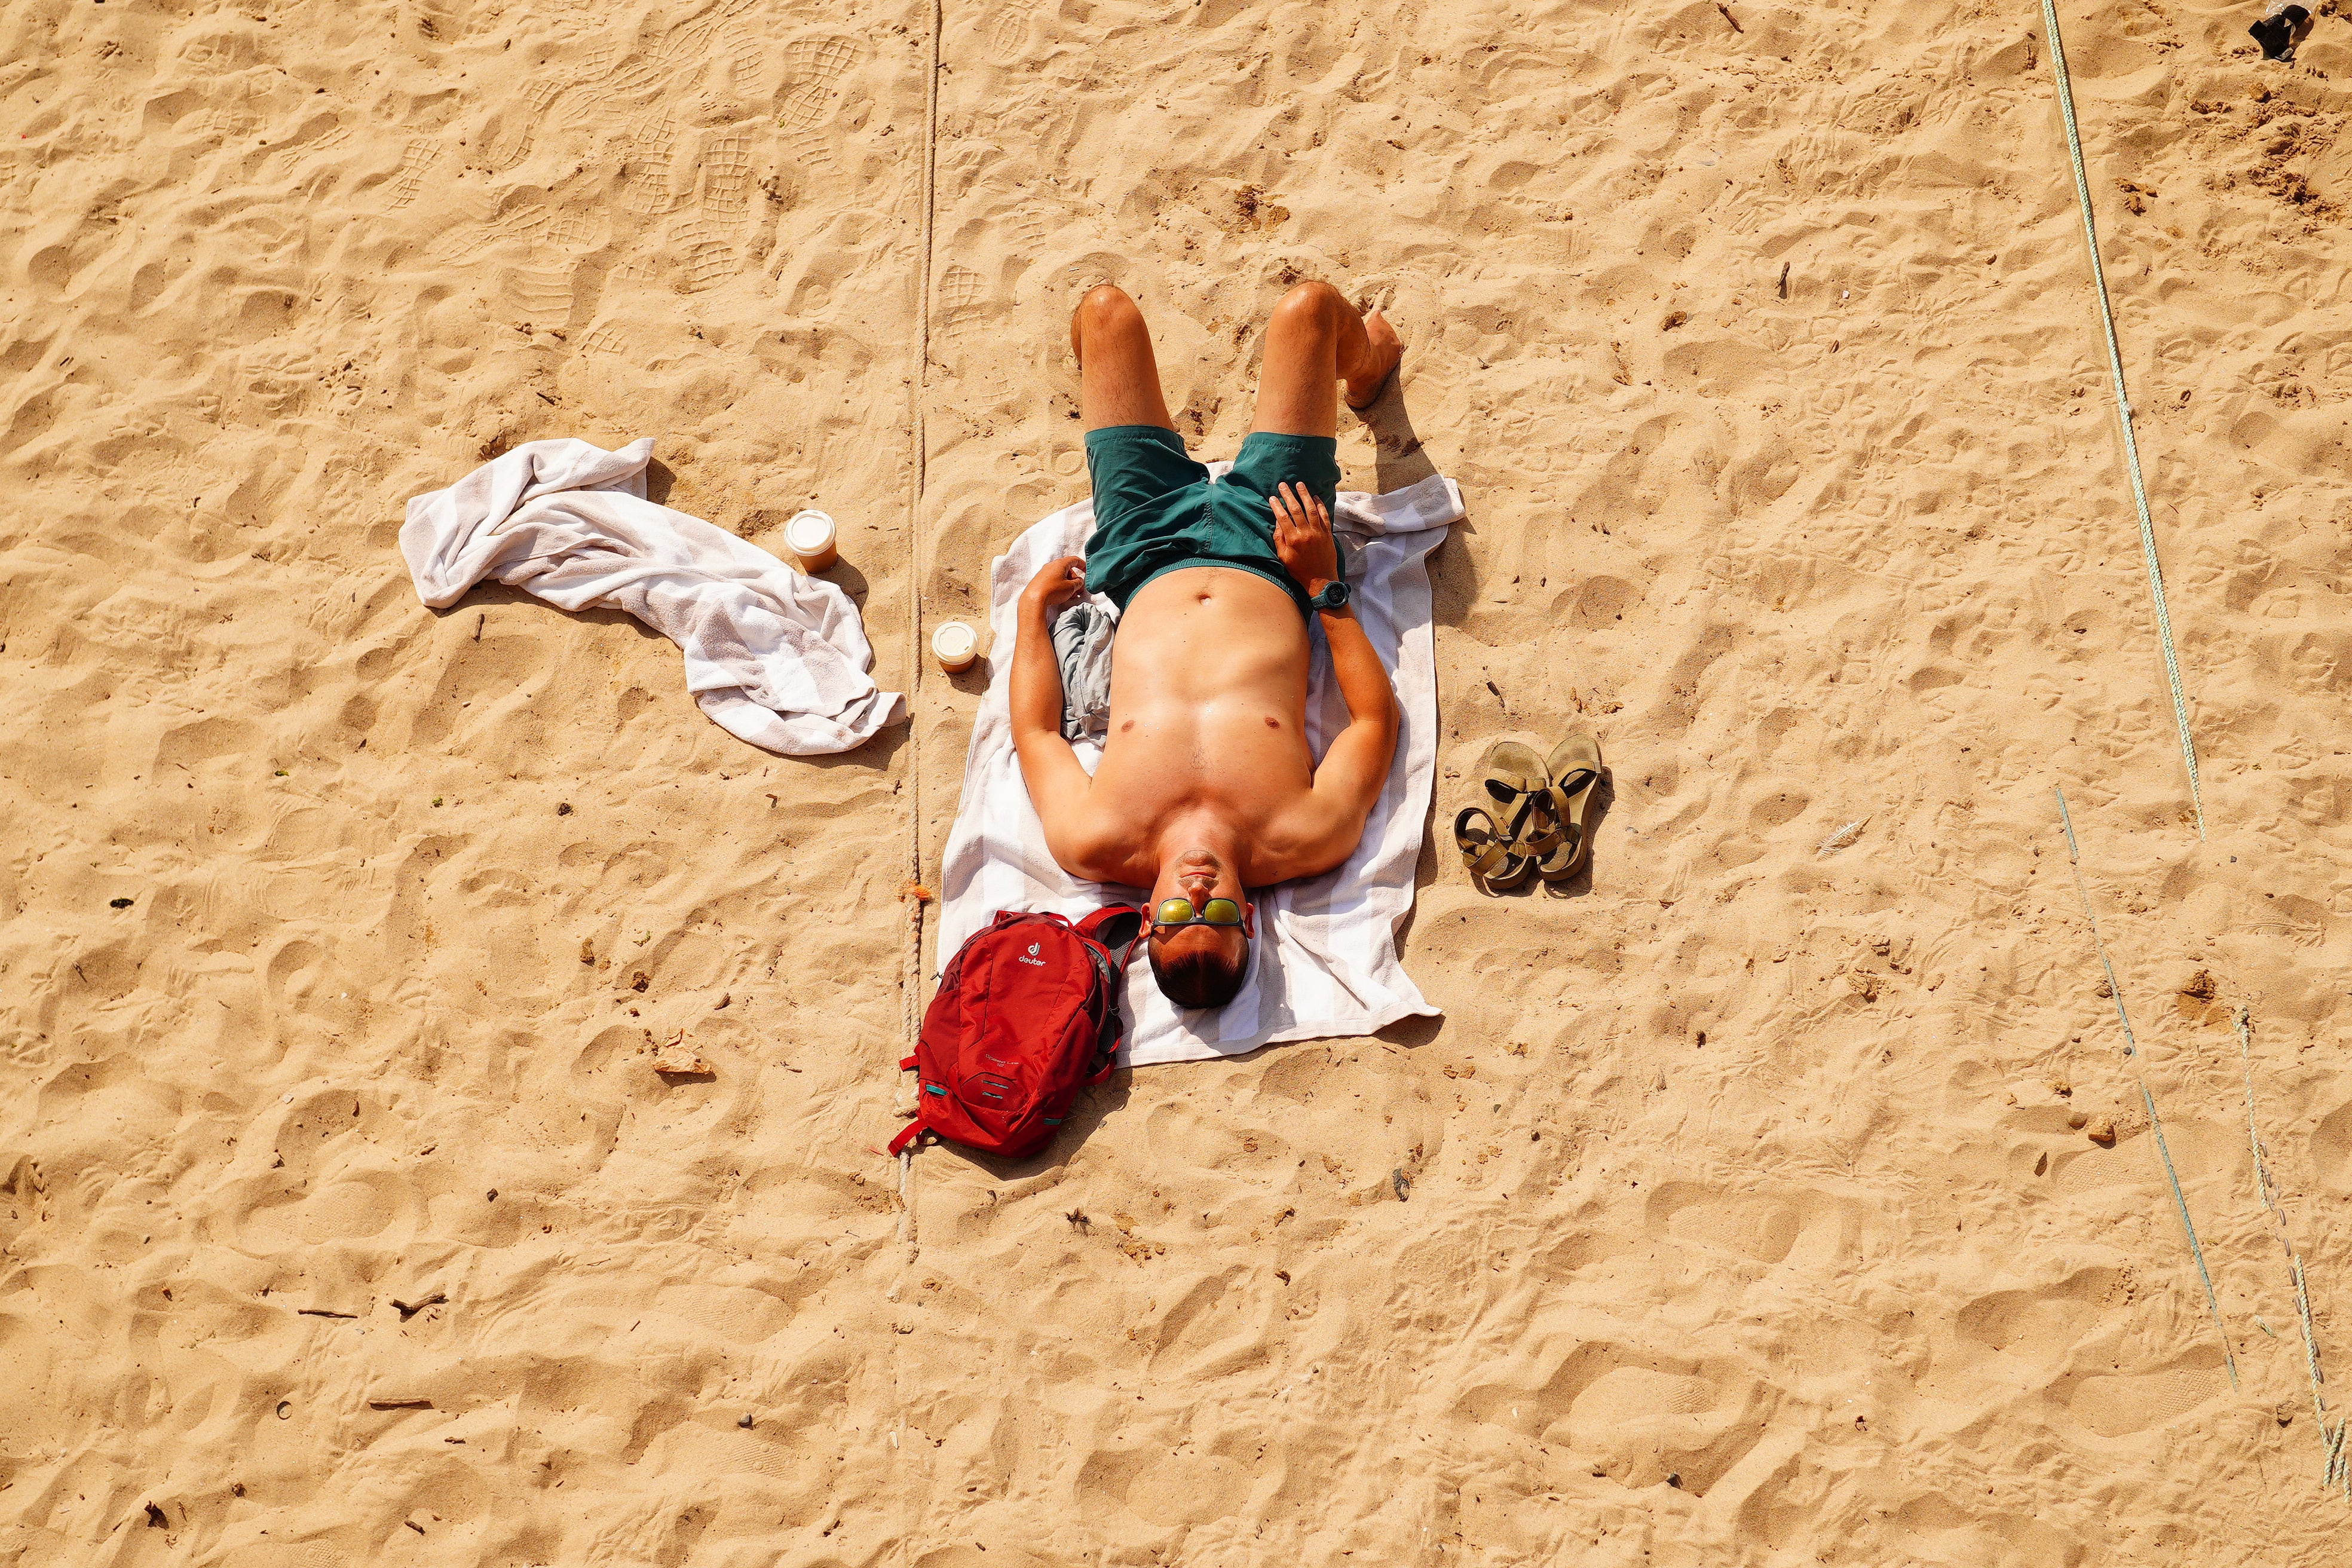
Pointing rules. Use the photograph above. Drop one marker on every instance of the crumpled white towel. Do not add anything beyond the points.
(1327, 961)
(774, 657)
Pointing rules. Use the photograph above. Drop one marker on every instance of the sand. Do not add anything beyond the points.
(346, 1219)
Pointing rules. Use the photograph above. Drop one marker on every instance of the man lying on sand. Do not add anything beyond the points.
(1206, 787)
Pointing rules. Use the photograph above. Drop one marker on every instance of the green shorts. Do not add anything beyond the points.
(1157, 510)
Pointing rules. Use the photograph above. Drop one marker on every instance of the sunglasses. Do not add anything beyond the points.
(1180, 913)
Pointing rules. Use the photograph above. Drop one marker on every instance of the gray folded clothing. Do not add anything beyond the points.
(1082, 639)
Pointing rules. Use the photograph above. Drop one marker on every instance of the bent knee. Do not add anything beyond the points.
(1105, 308)
(1314, 305)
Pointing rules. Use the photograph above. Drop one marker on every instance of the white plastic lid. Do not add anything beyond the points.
(808, 533)
(955, 642)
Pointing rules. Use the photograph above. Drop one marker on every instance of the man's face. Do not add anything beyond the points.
(1200, 876)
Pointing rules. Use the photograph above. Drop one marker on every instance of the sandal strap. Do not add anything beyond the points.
(1481, 847)
(1485, 850)
(1520, 807)
(1575, 784)
(1490, 859)
(1505, 794)
(1540, 830)
(1556, 805)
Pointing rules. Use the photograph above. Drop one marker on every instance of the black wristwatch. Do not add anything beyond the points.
(1334, 596)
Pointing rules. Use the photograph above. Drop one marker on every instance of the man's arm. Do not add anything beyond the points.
(1355, 766)
(1057, 784)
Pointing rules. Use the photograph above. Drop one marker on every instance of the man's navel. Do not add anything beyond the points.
(1272, 722)
(1123, 728)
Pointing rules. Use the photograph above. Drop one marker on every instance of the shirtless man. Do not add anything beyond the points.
(1206, 787)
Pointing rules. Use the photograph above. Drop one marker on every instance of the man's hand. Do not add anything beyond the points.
(1302, 537)
(1055, 584)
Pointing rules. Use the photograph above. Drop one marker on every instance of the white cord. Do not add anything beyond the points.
(2331, 1438)
(2123, 410)
(2131, 1051)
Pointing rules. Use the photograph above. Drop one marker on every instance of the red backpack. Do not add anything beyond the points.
(1026, 1015)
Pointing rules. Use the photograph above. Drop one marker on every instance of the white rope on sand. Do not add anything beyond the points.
(2131, 1051)
(2123, 410)
(2335, 1472)
(911, 1000)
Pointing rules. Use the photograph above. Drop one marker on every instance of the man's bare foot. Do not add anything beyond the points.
(1383, 352)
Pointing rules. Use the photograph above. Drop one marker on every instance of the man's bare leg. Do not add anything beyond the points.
(1118, 380)
(1314, 340)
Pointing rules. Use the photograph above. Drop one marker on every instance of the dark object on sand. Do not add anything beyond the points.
(2282, 27)
(1401, 1183)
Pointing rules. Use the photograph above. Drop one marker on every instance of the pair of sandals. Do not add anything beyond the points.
(1541, 821)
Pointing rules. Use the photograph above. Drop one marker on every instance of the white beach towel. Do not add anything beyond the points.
(1326, 955)
(774, 657)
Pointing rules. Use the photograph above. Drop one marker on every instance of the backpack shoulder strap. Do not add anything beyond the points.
(1117, 929)
(1120, 929)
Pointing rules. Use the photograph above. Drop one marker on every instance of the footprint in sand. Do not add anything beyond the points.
(1644, 1420)
(743, 50)
(418, 157)
(726, 173)
(1166, 1489)
(1008, 33)
(646, 156)
(278, 377)
(710, 260)
(541, 288)
(2042, 1326)
(2119, 1404)
(574, 231)
(961, 297)
(504, 139)
(2331, 1150)
(812, 70)
(809, 150)
(1763, 1230)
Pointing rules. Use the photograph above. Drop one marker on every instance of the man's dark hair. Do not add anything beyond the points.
(1203, 978)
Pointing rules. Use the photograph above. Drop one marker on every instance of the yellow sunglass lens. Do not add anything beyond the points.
(1215, 913)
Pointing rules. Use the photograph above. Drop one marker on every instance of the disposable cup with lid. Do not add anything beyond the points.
(810, 537)
(955, 645)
